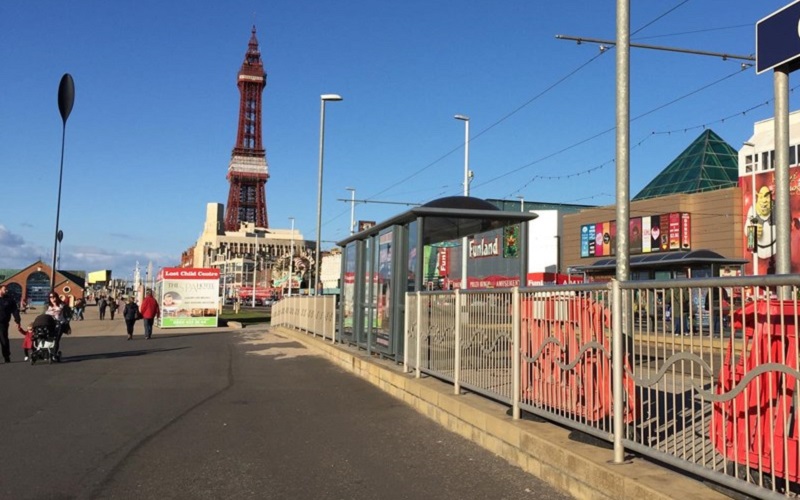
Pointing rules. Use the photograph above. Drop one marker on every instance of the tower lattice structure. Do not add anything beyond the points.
(248, 171)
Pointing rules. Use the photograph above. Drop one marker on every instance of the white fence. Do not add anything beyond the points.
(315, 315)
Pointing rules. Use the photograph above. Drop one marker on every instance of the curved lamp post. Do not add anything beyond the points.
(323, 99)
(66, 98)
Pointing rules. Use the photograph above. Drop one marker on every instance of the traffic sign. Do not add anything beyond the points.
(778, 38)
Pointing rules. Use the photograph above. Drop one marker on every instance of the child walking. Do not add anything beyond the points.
(27, 343)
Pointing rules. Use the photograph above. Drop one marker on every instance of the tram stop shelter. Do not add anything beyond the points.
(384, 262)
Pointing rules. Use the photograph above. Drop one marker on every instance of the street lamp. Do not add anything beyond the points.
(467, 177)
(352, 210)
(66, 98)
(323, 99)
(59, 238)
(291, 260)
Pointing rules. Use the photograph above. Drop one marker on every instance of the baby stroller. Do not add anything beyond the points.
(45, 335)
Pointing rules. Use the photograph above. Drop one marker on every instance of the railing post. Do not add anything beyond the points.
(515, 353)
(457, 346)
(406, 326)
(419, 334)
(617, 353)
(332, 300)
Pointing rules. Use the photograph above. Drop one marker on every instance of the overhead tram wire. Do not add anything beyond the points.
(519, 108)
(606, 131)
(496, 123)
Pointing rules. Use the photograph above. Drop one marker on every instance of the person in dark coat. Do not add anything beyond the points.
(8, 309)
(113, 305)
(101, 306)
(131, 314)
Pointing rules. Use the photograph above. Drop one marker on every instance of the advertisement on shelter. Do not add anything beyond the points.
(189, 297)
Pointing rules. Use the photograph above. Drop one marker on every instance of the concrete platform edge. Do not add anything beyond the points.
(540, 448)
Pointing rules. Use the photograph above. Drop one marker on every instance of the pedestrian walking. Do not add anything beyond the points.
(113, 305)
(8, 309)
(130, 314)
(60, 312)
(101, 306)
(149, 311)
(80, 306)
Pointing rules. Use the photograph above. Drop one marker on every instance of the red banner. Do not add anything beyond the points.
(443, 261)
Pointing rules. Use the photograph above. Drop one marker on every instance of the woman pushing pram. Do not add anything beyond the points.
(43, 339)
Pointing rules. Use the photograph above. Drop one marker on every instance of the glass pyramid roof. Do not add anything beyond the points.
(708, 164)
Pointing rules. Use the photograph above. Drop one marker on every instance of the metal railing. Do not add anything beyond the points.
(709, 377)
(707, 369)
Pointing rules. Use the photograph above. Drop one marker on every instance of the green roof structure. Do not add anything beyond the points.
(708, 164)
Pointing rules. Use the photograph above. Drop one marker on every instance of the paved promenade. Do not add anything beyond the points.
(92, 326)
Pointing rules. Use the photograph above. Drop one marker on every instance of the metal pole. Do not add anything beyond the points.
(457, 345)
(783, 259)
(352, 210)
(323, 99)
(464, 241)
(319, 192)
(623, 203)
(291, 260)
(516, 373)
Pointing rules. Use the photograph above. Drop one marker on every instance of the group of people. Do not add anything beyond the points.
(109, 303)
(57, 312)
(147, 312)
(61, 315)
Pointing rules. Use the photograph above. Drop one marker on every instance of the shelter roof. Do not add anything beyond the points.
(663, 259)
(449, 218)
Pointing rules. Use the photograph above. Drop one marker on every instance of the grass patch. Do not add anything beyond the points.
(246, 316)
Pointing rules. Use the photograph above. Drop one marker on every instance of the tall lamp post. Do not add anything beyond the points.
(59, 238)
(291, 260)
(521, 202)
(323, 99)
(352, 210)
(66, 98)
(467, 177)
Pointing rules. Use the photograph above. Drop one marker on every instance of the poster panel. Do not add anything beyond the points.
(636, 235)
(686, 231)
(584, 241)
(674, 231)
(655, 233)
(189, 297)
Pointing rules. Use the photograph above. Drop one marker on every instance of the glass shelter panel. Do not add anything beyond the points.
(411, 233)
(382, 324)
(349, 290)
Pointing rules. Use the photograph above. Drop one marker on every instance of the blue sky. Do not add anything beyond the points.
(150, 137)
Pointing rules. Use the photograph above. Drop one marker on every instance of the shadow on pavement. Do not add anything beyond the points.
(119, 354)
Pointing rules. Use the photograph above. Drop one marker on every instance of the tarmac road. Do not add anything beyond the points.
(224, 414)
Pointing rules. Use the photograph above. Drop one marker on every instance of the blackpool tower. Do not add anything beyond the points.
(248, 171)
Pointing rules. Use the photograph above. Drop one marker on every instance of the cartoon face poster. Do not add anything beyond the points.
(759, 229)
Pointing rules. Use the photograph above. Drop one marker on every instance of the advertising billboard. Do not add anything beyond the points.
(189, 297)
(655, 233)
